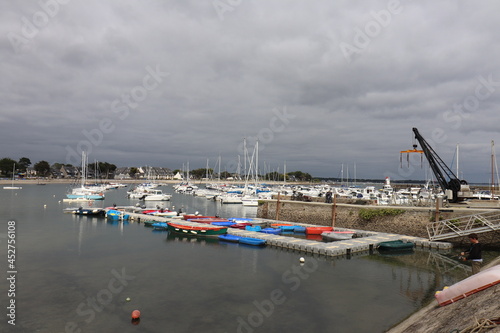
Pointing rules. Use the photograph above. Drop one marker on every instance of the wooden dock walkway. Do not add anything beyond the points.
(366, 243)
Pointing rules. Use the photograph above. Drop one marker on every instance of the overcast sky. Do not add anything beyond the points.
(322, 84)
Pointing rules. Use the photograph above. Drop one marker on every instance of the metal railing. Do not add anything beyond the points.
(462, 226)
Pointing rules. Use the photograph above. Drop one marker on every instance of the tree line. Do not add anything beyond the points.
(9, 166)
(105, 169)
(271, 176)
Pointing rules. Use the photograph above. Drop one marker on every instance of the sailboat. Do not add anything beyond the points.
(12, 187)
(83, 192)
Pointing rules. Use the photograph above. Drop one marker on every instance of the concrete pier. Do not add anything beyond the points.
(367, 241)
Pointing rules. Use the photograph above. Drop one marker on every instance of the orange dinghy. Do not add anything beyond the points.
(317, 230)
(477, 282)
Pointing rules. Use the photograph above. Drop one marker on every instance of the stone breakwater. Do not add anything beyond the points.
(411, 221)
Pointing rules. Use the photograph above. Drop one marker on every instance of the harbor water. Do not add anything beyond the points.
(84, 274)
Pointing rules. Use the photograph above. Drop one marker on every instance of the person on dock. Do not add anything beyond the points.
(328, 197)
(474, 253)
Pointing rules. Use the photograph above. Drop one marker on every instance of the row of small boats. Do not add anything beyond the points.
(206, 231)
(217, 227)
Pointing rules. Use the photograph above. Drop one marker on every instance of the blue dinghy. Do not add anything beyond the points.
(299, 229)
(271, 231)
(117, 215)
(253, 228)
(240, 219)
(252, 241)
(224, 224)
(229, 238)
(160, 226)
(287, 228)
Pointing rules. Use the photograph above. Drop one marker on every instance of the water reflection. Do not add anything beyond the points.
(204, 284)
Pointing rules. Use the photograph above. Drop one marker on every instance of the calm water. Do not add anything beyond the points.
(74, 274)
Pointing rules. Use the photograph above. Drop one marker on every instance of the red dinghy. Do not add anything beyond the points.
(208, 220)
(205, 230)
(189, 217)
(317, 230)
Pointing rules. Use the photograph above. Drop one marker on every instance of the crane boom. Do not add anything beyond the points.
(453, 187)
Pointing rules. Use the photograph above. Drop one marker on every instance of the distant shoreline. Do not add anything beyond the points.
(71, 181)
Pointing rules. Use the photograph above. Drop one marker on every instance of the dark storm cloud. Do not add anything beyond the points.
(164, 83)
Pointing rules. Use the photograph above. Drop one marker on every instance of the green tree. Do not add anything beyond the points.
(274, 176)
(42, 168)
(133, 172)
(225, 175)
(199, 173)
(24, 163)
(104, 169)
(300, 176)
(6, 166)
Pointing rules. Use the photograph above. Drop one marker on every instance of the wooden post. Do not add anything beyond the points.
(334, 210)
(278, 207)
(437, 209)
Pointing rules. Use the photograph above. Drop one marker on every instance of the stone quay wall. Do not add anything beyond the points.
(410, 221)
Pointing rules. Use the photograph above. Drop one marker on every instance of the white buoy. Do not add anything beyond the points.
(128, 299)
(302, 260)
(44, 206)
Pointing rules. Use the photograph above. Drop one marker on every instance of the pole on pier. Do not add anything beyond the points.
(334, 210)
(278, 207)
(437, 210)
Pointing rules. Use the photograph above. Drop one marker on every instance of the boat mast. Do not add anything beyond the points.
(492, 168)
(284, 175)
(84, 169)
(257, 162)
(219, 169)
(206, 171)
(457, 160)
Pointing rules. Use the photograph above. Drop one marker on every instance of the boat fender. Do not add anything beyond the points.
(136, 314)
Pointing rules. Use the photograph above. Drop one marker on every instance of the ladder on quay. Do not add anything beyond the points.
(465, 225)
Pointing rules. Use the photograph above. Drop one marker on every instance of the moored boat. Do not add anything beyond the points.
(272, 231)
(286, 227)
(252, 241)
(209, 220)
(253, 228)
(317, 230)
(299, 229)
(202, 230)
(396, 245)
(229, 238)
(117, 215)
(223, 223)
(331, 236)
(89, 211)
(191, 216)
(240, 225)
(160, 225)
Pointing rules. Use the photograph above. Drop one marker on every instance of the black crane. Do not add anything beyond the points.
(445, 177)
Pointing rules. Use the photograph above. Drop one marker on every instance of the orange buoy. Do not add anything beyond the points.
(136, 314)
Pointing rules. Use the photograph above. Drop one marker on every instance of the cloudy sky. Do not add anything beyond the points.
(321, 84)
